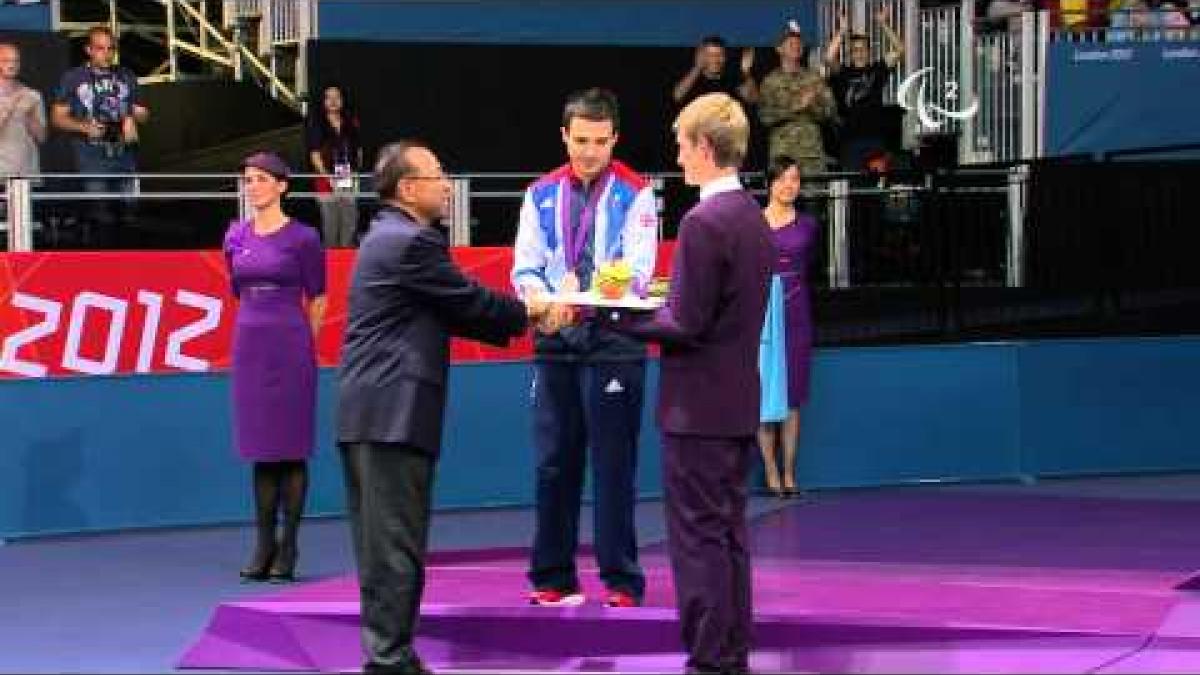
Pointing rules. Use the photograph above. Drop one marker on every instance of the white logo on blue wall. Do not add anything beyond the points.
(932, 115)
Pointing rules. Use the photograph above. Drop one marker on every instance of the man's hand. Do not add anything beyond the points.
(747, 60)
(129, 130)
(556, 318)
(92, 129)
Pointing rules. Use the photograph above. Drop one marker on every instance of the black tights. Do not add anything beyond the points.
(279, 487)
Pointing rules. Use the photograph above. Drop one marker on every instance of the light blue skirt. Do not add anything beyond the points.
(772, 358)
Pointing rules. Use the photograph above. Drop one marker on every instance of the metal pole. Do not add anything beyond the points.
(172, 55)
(460, 226)
(839, 259)
(1028, 88)
(243, 206)
(966, 77)
(1015, 249)
(20, 215)
(56, 19)
(112, 24)
(1043, 43)
(203, 27)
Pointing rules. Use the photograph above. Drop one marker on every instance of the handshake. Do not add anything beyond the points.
(547, 317)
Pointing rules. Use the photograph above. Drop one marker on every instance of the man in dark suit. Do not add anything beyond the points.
(407, 298)
(708, 403)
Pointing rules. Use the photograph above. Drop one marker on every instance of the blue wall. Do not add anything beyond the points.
(103, 453)
(25, 17)
(1121, 95)
(605, 22)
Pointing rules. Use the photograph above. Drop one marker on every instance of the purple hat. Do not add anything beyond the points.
(269, 162)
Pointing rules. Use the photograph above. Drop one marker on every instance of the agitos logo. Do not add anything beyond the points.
(932, 115)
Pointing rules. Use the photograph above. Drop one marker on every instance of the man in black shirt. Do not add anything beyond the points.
(858, 88)
(709, 74)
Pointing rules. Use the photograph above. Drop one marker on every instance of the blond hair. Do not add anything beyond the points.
(719, 119)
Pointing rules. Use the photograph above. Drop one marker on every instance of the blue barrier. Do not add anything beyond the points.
(87, 454)
(562, 22)
(26, 17)
(1102, 97)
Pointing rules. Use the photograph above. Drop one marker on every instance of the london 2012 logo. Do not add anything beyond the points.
(931, 113)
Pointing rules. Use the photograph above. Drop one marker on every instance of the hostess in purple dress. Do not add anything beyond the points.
(793, 244)
(274, 355)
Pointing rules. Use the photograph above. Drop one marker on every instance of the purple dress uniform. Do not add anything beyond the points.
(708, 413)
(274, 356)
(794, 243)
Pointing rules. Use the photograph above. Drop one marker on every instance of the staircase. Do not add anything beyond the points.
(261, 41)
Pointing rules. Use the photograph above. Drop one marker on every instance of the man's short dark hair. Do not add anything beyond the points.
(857, 37)
(595, 104)
(713, 41)
(393, 164)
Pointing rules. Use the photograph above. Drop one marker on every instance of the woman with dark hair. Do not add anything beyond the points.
(335, 152)
(787, 331)
(277, 272)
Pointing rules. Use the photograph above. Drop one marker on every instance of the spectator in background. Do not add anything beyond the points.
(22, 117)
(794, 102)
(98, 104)
(710, 74)
(1175, 19)
(335, 151)
(858, 89)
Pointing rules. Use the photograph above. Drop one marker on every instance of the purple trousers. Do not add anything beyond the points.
(705, 484)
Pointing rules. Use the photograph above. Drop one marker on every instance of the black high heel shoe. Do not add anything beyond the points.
(260, 568)
(283, 569)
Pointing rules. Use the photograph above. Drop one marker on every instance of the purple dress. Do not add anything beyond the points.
(274, 355)
(793, 242)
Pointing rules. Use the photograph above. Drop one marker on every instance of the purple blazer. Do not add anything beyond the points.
(712, 322)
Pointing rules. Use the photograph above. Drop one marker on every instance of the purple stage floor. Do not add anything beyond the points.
(943, 581)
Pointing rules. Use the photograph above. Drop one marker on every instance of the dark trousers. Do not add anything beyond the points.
(579, 408)
(109, 216)
(388, 494)
(705, 490)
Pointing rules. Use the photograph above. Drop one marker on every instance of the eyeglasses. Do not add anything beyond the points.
(438, 177)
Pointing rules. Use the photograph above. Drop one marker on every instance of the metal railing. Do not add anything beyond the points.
(838, 200)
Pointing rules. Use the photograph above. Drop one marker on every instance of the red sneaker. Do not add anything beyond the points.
(620, 599)
(553, 597)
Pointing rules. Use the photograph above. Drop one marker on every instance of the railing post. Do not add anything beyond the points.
(1017, 179)
(839, 258)
(172, 53)
(112, 25)
(1028, 88)
(1043, 44)
(243, 205)
(460, 218)
(20, 214)
(966, 78)
(304, 31)
(911, 62)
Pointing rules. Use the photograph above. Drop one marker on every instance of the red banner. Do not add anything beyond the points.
(108, 313)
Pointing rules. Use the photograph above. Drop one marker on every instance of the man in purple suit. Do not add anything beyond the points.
(708, 403)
